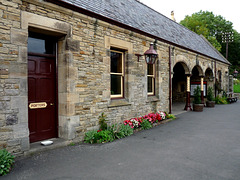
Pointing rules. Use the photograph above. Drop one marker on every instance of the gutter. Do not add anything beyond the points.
(114, 22)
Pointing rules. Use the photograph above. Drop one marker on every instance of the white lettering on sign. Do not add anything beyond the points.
(37, 105)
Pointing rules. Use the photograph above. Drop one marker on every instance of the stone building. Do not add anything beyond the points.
(63, 63)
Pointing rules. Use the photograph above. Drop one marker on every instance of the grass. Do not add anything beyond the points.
(236, 88)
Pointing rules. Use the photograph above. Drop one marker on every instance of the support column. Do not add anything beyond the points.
(188, 105)
(202, 97)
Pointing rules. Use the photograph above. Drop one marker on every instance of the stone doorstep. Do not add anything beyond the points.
(37, 147)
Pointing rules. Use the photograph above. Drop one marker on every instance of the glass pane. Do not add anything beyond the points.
(116, 84)
(150, 69)
(42, 46)
(116, 62)
(150, 84)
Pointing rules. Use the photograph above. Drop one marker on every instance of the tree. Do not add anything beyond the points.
(211, 27)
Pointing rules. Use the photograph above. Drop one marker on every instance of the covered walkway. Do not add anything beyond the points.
(178, 108)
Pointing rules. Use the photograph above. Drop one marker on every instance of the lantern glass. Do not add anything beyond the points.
(147, 58)
(150, 59)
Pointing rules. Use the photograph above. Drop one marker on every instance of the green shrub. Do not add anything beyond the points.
(104, 136)
(236, 88)
(120, 134)
(210, 96)
(6, 162)
(115, 131)
(221, 100)
(125, 130)
(197, 95)
(146, 124)
(171, 116)
(90, 137)
(102, 121)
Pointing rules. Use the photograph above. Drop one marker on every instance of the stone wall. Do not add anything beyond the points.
(13, 87)
(83, 71)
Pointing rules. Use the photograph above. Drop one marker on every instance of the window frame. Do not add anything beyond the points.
(122, 74)
(153, 76)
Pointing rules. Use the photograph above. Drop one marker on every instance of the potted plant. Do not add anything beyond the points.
(197, 105)
(210, 98)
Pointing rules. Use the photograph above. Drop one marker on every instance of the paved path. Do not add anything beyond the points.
(196, 146)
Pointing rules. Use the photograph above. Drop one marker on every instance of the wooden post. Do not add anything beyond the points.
(188, 105)
(202, 97)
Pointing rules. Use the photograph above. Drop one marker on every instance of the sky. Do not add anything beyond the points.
(228, 9)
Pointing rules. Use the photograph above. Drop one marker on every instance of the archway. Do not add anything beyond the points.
(197, 79)
(179, 86)
(179, 82)
(197, 73)
(209, 78)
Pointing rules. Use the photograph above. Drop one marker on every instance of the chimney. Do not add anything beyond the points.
(172, 15)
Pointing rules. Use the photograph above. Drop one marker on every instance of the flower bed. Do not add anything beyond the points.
(127, 128)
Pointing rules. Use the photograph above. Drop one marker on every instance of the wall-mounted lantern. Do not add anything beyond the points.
(235, 73)
(150, 55)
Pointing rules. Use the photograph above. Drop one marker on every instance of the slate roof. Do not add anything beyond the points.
(139, 16)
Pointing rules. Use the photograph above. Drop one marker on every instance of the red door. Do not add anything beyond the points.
(42, 98)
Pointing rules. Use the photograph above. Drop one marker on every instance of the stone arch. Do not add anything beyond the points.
(209, 77)
(184, 65)
(200, 70)
(183, 60)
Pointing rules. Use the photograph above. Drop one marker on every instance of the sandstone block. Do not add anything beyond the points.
(20, 103)
(9, 3)
(11, 92)
(13, 142)
(22, 57)
(72, 45)
(25, 145)
(20, 130)
(19, 37)
(11, 120)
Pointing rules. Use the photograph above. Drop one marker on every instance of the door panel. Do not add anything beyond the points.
(42, 98)
(45, 87)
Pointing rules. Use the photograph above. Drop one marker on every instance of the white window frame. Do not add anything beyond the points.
(153, 80)
(122, 74)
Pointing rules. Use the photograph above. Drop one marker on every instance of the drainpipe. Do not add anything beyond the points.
(170, 81)
(215, 74)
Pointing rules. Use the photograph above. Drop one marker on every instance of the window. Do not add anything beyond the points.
(151, 79)
(41, 44)
(220, 76)
(117, 74)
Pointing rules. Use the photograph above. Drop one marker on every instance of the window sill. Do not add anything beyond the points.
(152, 99)
(118, 102)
